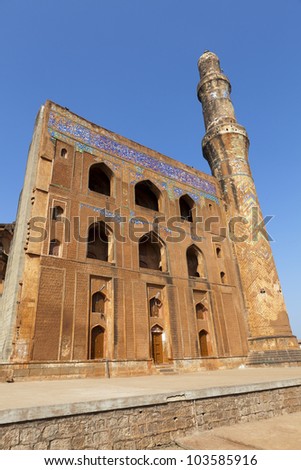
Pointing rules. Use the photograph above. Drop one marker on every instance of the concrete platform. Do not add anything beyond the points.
(25, 401)
(154, 412)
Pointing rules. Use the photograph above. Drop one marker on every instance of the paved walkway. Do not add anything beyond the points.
(41, 399)
(282, 432)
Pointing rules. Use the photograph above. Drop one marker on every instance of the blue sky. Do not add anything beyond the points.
(130, 66)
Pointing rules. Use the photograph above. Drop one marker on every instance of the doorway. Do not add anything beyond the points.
(157, 345)
(203, 343)
(97, 342)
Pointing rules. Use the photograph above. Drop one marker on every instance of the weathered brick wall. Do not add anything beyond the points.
(148, 427)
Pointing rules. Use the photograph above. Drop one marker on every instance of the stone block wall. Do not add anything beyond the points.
(148, 427)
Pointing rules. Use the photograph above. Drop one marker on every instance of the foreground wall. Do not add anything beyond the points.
(150, 426)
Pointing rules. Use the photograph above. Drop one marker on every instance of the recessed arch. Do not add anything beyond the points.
(152, 252)
(218, 251)
(55, 247)
(64, 153)
(100, 242)
(98, 302)
(186, 207)
(147, 195)
(155, 306)
(195, 262)
(97, 342)
(223, 277)
(100, 177)
(203, 342)
(157, 344)
(56, 213)
(200, 311)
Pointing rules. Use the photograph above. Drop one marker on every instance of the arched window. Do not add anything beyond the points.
(218, 252)
(203, 341)
(100, 179)
(223, 277)
(152, 254)
(57, 212)
(64, 153)
(147, 195)
(155, 305)
(54, 247)
(99, 242)
(186, 207)
(98, 302)
(97, 342)
(200, 311)
(195, 262)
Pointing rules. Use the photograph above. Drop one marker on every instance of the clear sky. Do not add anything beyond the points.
(130, 66)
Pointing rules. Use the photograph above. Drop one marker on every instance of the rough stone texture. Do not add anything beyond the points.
(148, 427)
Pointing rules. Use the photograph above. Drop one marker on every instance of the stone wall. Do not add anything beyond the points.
(148, 427)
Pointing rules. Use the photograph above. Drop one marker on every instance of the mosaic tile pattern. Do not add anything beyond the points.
(87, 139)
(113, 217)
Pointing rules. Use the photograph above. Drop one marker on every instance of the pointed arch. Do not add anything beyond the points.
(100, 177)
(155, 305)
(203, 342)
(97, 342)
(195, 262)
(147, 195)
(55, 248)
(100, 242)
(186, 207)
(157, 344)
(200, 311)
(98, 302)
(56, 213)
(152, 252)
(218, 251)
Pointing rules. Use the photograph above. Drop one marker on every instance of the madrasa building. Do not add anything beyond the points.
(123, 261)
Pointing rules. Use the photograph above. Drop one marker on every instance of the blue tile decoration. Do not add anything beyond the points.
(113, 217)
(62, 123)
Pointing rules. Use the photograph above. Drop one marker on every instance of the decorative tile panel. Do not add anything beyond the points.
(63, 123)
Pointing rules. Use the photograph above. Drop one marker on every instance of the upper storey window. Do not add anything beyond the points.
(147, 195)
(57, 212)
(64, 153)
(100, 177)
(186, 207)
(100, 242)
(55, 248)
(195, 262)
(152, 252)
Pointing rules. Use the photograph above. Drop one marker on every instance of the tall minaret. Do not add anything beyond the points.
(225, 147)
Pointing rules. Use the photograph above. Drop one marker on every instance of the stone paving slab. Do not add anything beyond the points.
(279, 433)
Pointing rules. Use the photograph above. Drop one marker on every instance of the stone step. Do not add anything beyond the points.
(166, 370)
(274, 357)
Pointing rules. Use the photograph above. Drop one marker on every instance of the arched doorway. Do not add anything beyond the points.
(97, 342)
(203, 343)
(157, 344)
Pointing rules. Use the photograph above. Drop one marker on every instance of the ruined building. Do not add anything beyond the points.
(124, 261)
